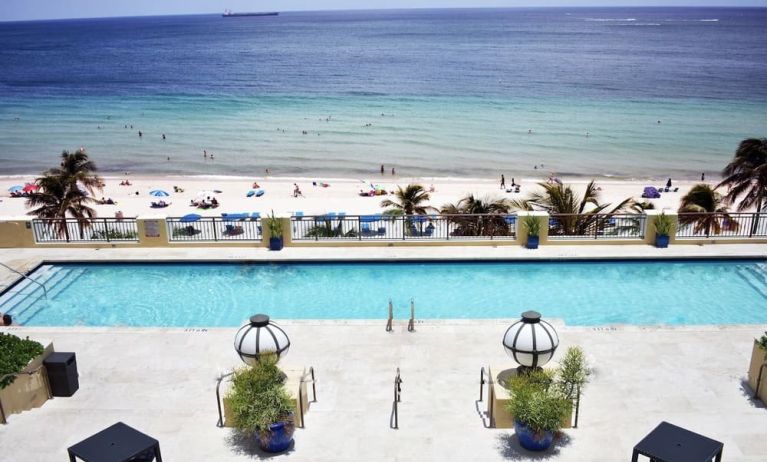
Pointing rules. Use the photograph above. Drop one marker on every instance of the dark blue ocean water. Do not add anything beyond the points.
(458, 89)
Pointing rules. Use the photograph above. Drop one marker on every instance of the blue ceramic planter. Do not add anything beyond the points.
(275, 243)
(532, 242)
(530, 440)
(661, 241)
(279, 439)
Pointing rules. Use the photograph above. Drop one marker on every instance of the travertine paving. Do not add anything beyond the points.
(162, 381)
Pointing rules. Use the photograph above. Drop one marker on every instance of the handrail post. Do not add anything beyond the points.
(106, 229)
(411, 322)
(481, 381)
(391, 317)
(215, 233)
(220, 422)
(577, 406)
(397, 399)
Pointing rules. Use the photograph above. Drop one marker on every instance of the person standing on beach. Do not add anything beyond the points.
(503, 181)
(393, 172)
(382, 169)
(703, 176)
(668, 184)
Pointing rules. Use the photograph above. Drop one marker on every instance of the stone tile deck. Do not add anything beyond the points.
(162, 381)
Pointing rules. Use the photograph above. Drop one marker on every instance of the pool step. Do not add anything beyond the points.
(25, 303)
(756, 278)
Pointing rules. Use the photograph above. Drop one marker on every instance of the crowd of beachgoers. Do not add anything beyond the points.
(131, 196)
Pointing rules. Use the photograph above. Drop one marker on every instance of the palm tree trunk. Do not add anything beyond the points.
(755, 224)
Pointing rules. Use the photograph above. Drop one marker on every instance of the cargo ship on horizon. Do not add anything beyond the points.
(232, 14)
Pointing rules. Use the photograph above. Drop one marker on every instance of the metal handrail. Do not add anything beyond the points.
(220, 422)
(42, 367)
(397, 399)
(486, 379)
(390, 319)
(411, 322)
(45, 291)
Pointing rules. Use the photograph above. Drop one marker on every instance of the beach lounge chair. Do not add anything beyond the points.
(250, 193)
(260, 192)
(255, 216)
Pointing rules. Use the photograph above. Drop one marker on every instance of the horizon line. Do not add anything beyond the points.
(666, 6)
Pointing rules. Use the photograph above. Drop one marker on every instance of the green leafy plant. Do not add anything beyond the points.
(763, 343)
(114, 234)
(533, 225)
(664, 225)
(15, 354)
(573, 373)
(537, 402)
(274, 225)
(258, 397)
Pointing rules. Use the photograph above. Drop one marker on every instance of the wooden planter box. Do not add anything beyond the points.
(758, 362)
(294, 385)
(498, 400)
(27, 391)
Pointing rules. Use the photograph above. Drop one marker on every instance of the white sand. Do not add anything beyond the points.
(341, 196)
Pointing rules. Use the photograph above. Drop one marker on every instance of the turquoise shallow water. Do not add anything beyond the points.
(424, 136)
(581, 293)
(459, 90)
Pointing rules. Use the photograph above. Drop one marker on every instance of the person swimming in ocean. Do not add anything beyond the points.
(163, 136)
(140, 134)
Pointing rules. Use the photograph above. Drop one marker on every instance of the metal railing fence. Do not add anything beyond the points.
(76, 230)
(214, 229)
(597, 226)
(719, 225)
(405, 227)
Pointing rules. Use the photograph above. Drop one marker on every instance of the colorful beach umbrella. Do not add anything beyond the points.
(30, 187)
(158, 193)
(190, 218)
(15, 188)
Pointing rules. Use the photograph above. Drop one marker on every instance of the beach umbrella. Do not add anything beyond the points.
(158, 193)
(16, 188)
(190, 218)
(30, 187)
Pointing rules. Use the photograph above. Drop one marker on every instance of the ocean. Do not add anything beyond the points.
(622, 92)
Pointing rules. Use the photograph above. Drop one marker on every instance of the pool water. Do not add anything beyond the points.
(222, 294)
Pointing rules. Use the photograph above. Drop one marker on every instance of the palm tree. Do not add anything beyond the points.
(746, 176)
(408, 201)
(573, 214)
(478, 216)
(703, 208)
(76, 168)
(56, 200)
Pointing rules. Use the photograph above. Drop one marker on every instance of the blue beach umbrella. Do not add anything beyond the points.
(15, 188)
(190, 218)
(158, 193)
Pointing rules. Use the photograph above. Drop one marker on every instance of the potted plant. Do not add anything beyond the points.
(539, 407)
(663, 227)
(261, 406)
(541, 401)
(757, 371)
(533, 227)
(275, 232)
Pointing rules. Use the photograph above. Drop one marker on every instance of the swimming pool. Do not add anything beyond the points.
(224, 294)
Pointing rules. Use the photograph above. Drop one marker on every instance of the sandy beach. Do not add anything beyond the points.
(342, 195)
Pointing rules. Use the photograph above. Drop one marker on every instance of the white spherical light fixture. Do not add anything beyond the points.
(260, 337)
(531, 341)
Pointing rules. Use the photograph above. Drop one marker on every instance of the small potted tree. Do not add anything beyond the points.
(539, 408)
(663, 228)
(533, 227)
(275, 232)
(261, 406)
(542, 400)
(757, 371)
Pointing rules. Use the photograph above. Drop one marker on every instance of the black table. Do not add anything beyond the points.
(118, 443)
(669, 443)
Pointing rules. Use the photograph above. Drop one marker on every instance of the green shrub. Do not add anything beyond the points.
(573, 373)
(763, 343)
(114, 234)
(533, 225)
(537, 403)
(274, 225)
(258, 397)
(664, 225)
(15, 354)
